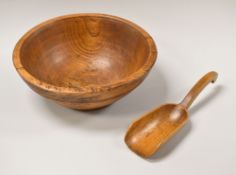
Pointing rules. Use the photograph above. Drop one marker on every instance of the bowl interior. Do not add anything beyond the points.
(84, 51)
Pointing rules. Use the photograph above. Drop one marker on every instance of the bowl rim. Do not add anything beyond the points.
(28, 77)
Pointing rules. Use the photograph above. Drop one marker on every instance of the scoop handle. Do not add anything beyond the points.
(198, 87)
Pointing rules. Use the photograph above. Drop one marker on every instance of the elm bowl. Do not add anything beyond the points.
(84, 61)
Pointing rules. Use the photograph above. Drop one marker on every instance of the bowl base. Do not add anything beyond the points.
(86, 106)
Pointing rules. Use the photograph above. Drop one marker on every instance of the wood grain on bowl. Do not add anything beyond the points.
(84, 61)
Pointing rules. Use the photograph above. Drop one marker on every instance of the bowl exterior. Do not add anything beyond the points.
(88, 101)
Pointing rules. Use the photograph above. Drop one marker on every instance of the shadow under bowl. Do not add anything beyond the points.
(84, 61)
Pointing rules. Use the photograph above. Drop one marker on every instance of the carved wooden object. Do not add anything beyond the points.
(147, 134)
(84, 61)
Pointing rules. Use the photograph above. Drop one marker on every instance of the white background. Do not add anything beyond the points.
(38, 137)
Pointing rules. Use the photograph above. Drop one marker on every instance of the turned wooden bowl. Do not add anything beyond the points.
(84, 61)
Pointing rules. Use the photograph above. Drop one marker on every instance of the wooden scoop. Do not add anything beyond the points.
(148, 133)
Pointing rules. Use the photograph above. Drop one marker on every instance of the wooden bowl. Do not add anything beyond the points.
(84, 61)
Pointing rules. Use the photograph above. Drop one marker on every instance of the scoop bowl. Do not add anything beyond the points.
(146, 135)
